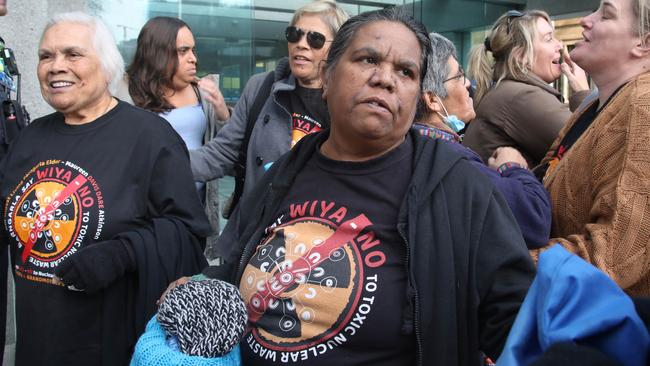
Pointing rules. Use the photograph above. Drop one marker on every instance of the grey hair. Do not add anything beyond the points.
(348, 30)
(328, 10)
(441, 50)
(438, 71)
(103, 42)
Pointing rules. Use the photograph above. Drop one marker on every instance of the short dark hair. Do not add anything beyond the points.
(155, 63)
(349, 28)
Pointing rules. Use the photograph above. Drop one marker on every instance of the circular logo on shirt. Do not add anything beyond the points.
(300, 289)
(59, 226)
(50, 214)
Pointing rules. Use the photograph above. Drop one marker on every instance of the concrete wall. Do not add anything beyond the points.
(21, 29)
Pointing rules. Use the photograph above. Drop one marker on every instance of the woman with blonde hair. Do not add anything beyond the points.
(597, 169)
(515, 106)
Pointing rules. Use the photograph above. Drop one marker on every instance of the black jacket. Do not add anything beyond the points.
(468, 268)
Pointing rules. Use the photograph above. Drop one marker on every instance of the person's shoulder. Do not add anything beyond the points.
(45, 119)
(512, 88)
(641, 89)
(256, 80)
(143, 122)
(43, 122)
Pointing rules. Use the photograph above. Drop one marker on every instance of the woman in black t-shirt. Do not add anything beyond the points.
(99, 207)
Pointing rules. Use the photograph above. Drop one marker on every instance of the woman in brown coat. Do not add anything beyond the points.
(514, 104)
(598, 170)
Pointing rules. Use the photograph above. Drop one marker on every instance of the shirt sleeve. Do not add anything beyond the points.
(218, 156)
(172, 192)
(505, 272)
(527, 199)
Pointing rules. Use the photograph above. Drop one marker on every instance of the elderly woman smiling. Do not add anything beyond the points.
(444, 106)
(370, 244)
(92, 194)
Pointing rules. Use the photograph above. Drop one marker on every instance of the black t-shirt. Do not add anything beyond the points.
(96, 180)
(327, 284)
(309, 112)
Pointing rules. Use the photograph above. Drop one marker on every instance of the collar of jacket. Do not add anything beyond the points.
(532, 79)
(283, 79)
(431, 162)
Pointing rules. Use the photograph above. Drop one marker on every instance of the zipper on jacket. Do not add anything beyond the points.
(416, 306)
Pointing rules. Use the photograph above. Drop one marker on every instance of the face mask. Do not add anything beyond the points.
(454, 123)
(451, 121)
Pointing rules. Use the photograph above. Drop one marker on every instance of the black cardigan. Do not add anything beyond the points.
(468, 270)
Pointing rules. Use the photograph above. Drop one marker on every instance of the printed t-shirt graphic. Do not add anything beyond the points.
(303, 125)
(328, 277)
(52, 210)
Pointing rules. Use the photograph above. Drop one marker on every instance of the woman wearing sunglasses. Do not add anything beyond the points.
(293, 108)
(515, 106)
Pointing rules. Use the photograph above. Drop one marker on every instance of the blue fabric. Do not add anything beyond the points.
(152, 350)
(190, 123)
(572, 301)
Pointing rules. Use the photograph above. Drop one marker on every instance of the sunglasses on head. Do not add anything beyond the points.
(511, 14)
(315, 40)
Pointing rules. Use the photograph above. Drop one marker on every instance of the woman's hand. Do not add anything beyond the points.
(506, 154)
(575, 75)
(178, 282)
(213, 95)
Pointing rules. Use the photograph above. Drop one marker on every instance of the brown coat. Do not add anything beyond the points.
(526, 115)
(600, 190)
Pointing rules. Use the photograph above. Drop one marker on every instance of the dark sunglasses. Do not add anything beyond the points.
(461, 74)
(315, 40)
(511, 14)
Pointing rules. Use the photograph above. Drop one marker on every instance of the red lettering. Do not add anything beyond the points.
(368, 240)
(375, 259)
(59, 171)
(87, 202)
(84, 191)
(339, 215)
(40, 174)
(67, 176)
(295, 210)
(324, 208)
(313, 206)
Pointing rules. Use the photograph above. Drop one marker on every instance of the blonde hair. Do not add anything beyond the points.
(328, 10)
(642, 14)
(511, 44)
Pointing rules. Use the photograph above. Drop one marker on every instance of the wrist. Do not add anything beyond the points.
(507, 166)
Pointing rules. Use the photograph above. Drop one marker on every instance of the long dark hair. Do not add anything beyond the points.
(155, 63)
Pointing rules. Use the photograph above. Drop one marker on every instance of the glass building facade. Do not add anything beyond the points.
(234, 38)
